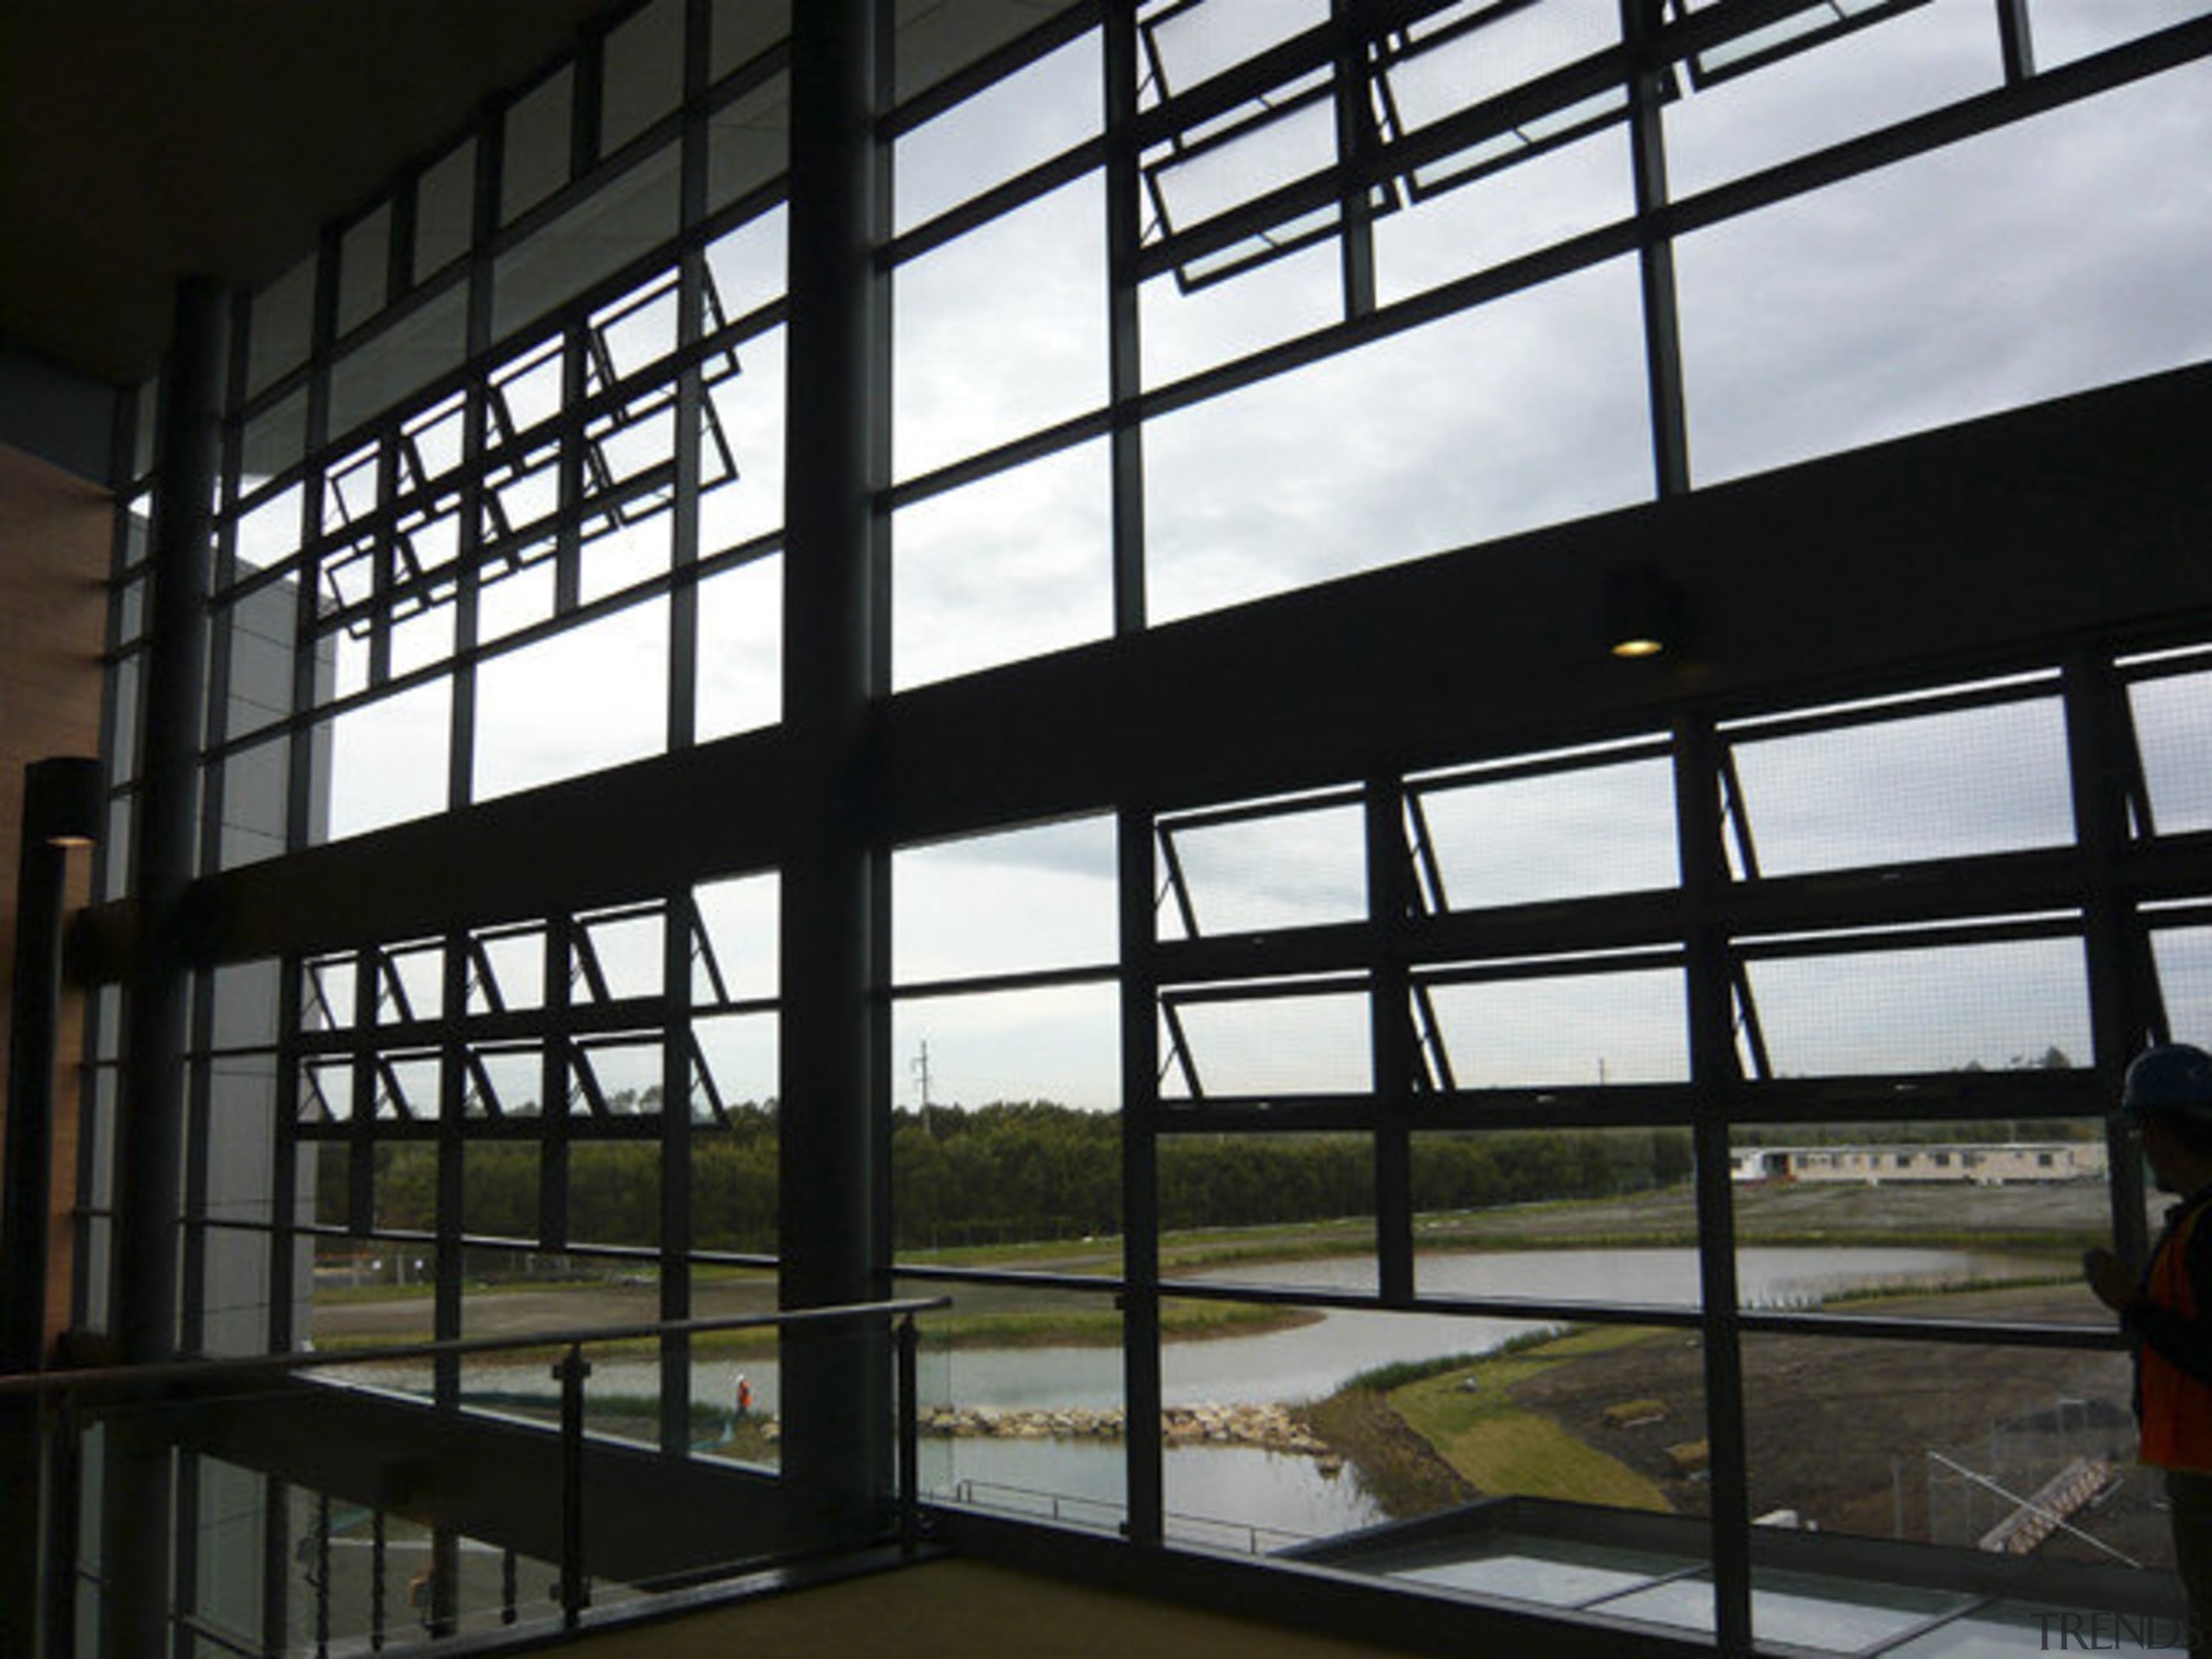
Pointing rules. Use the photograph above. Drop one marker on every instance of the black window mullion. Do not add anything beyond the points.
(1124, 339)
(1715, 1076)
(576, 446)
(1662, 346)
(283, 1197)
(1140, 1021)
(447, 1309)
(2097, 743)
(475, 504)
(1355, 146)
(360, 1196)
(1391, 1036)
(560, 932)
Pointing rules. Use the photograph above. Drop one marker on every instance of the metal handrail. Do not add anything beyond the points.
(201, 1368)
(569, 1370)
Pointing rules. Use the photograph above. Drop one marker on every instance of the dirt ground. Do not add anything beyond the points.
(1842, 1431)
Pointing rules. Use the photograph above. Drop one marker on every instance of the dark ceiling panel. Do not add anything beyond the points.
(142, 141)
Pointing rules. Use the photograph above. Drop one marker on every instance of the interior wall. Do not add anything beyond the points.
(54, 535)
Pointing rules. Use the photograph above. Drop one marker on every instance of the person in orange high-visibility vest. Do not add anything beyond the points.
(2166, 1310)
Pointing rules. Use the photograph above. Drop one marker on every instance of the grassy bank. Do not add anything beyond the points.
(1091, 1327)
(1425, 1434)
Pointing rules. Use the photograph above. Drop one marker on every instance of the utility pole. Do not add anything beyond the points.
(920, 1067)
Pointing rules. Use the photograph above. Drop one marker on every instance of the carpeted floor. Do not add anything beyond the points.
(955, 1610)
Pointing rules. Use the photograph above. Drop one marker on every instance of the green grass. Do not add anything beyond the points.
(1499, 1447)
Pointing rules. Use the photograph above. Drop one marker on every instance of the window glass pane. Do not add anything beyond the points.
(737, 958)
(414, 349)
(742, 29)
(1939, 1444)
(445, 209)
(1564, 1029)
(1012, 1426)
(1245, 1042)
(1535, 202)
(535, 154)
(622, 220)
(363, 266)
(410, 983)
(506, 1082)
(1024, 1184)
(734, 1089)
(741, 674)
(507, 969)
(1289, 869)
(644, 73)
(275, 439)
(1584, 1214)
(1941, 1008)
(1000, 331)
(263, 625)
(1980, 780)
(1185, 331)
(614, 1199)
(1279, 1210)
(246, 995)
(256, 795)
(2067, 29)
(386, 761)
(741, 457)
(1016, 565)
(1597, 830)
(746, 266)
(1019, 899)
(500, 1202)
(1519, 414)
(277, 338)
(2173, 732)
(748, 140)
(1013, 124)
(1965, 1220)
(558, 708)
(1187, 45)
(145, 421)
(269, 533)
(1060, 1046)
(616, 954)
(1919, 60)
(1241, 156)
(1804, 332)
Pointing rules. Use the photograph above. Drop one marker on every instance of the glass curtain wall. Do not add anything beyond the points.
(1599, 1124)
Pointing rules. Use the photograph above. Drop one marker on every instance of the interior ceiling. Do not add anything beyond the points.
(145, 140)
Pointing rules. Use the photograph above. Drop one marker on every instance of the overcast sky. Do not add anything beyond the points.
(2068, 252)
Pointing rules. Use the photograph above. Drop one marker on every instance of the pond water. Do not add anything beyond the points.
(1083, 1482)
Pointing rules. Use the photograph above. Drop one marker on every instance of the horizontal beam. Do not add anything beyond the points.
(1975, 549)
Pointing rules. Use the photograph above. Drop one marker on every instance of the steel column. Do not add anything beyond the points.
(835, 1399)
(150, 1123)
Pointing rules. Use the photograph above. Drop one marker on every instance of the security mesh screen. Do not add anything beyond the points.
(1562, 836)
(1944, 1008)
(1289, 869)
(1977, 780)
(2173, 732)
(1589, 1029)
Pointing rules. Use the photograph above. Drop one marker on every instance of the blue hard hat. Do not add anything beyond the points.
(2171, 1080)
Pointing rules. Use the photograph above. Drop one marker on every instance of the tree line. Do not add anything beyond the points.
(1008, 1173)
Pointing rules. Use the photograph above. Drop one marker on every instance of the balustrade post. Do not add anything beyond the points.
(575, 1589)
(909, 1516)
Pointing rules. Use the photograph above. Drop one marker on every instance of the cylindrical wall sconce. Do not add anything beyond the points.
(1643, 612)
